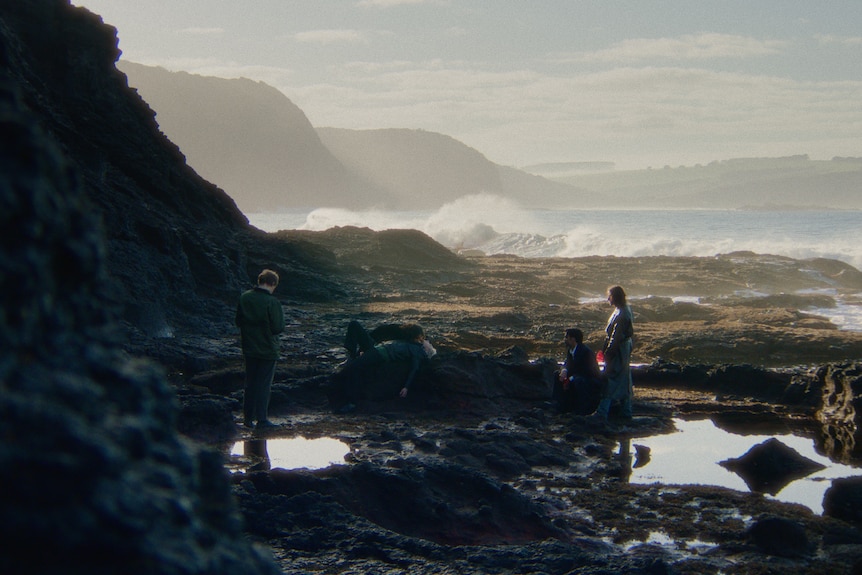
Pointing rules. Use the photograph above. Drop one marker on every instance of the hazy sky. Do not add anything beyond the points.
(640, 83)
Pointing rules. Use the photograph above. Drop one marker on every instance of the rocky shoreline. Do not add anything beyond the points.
(474, 473)
(120, 373)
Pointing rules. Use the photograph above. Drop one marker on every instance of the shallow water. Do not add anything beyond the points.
(287, 453)
(691, 456)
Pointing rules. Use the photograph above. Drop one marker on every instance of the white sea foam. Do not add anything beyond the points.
(496, 225)
(846, 314)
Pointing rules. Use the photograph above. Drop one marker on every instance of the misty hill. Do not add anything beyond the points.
(248, 138)
(426, 169)
(794, 182)
(252, 141)
(258, 146)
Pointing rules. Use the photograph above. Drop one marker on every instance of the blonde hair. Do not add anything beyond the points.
(267, 277)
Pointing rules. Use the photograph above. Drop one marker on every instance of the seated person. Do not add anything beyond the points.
(578, 385)
(405, 344)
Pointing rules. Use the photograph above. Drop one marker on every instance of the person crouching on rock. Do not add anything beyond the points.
(408, 347)
(578, 384)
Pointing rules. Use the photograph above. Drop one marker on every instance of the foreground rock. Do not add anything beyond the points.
(470, 474)
(492, 482)
(95, 477)
(770, 466)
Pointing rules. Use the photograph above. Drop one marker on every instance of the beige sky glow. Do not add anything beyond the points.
(548, 81)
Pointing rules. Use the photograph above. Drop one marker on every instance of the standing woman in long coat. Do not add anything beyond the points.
(618, 353)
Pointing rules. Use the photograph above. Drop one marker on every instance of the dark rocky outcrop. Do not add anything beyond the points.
(178, 250)
(841, 408)
(95, 477)
(769, 466)
(398, 249)
(780, 536)
(109, 240)
(844, 499)
(451, 504)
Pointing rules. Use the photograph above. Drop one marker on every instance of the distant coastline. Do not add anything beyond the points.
(792, 208)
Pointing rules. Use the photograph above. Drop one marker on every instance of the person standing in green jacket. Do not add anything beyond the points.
(260, 319)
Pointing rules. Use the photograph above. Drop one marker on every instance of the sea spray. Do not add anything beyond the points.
(496, 225)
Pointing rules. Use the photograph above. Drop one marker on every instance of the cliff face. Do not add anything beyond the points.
(250, 139)
(95, 477)
(178, 249)
(260, 147)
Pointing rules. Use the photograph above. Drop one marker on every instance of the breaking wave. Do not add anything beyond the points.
(495, 225)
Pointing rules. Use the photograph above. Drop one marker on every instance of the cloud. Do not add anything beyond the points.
(330, 36)
(631, 115)
(634, 115)
(388, 3)
(201, 31)
(848, 41)
(688, 47)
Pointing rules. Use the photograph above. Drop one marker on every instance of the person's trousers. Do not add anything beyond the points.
(357, 339)
(259, 374)
(358, 371)
(618, 386)
(604, 407)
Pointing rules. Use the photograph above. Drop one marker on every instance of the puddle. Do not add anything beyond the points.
(679, 548)
(287, 453)
(691, 455)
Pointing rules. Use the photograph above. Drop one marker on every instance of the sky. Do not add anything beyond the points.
(640, 83)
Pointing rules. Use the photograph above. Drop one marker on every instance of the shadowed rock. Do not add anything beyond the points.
(770, 466)
(448, 504)
(841, 409)
(779, 536)
(95, 477)
(844, 499)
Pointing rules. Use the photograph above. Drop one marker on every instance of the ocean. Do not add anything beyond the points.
(494, 225)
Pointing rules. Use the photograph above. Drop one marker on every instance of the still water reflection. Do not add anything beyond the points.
(692, 455)
(287, 453)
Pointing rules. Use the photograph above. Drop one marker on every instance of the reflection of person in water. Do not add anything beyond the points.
(625, 458)
(255, 450)
(406, 345)
(641, 457)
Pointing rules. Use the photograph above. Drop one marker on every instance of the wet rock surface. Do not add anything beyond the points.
(770, 466)
(474, 472)
(95, 477)
(121, 374)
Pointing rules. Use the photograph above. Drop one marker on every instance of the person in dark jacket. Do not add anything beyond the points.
(388, 344)
(578, 383)
(260, 319)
